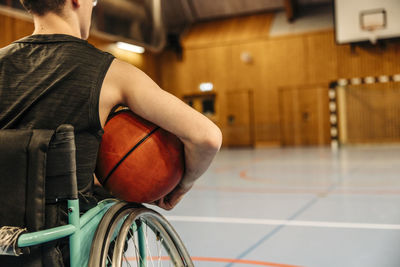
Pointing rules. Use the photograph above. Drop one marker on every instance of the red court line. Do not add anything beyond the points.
(226, 260)
(260, 263)
(244, 176)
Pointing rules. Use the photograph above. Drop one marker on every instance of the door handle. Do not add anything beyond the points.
(231, 119)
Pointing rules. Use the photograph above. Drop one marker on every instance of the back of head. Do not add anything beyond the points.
(41, 7)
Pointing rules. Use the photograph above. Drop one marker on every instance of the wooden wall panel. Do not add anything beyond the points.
(361, 62)
(239, 130)
(258, 75)
(170, 77)
(314, 111)
(14, 25)
(267, 117)
(199, 63)
(6, 30)
(285, 61)
(283, 64)
(246, 75)
(321, 62)
(219, 64)
(228, 31)
(183, 77)
(290, 129)
(304, 115)
(198, 66)
(22, 28)
(390, 58)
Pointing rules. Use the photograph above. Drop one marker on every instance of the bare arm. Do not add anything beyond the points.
(201, 138)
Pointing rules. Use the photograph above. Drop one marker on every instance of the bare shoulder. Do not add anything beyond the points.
(110, 94)
(121, 72)
(124, 84)
(128, 80)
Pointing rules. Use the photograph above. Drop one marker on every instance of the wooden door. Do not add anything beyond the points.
(304, 114)
(239, 125)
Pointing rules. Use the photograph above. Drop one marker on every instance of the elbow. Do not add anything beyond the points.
(207, 140)
(213, 139)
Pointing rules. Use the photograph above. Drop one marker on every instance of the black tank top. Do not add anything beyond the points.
(48, 80)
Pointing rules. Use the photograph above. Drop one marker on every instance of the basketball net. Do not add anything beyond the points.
(371, 29)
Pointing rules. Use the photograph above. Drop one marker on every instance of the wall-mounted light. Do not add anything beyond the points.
(246, 57)
(130, 47)
(206, 87)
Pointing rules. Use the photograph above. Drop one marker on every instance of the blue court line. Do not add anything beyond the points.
(278, 228)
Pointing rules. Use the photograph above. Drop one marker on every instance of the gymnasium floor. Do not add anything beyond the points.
(306, 207)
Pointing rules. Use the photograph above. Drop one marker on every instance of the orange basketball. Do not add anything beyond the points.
(138, 161)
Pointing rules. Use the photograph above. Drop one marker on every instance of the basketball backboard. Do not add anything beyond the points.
(366, 20)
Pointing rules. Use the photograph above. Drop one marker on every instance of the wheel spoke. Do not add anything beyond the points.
(138, 257)
(147, 245)
(159, 242)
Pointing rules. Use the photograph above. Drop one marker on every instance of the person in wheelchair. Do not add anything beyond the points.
(54, 77)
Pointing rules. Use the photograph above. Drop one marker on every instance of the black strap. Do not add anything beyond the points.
(61, 181)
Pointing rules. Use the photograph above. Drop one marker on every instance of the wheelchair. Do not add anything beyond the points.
(113, 233)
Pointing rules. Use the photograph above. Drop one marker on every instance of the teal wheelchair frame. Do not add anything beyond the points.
(81, 232)
(111, 221)
(78, 230)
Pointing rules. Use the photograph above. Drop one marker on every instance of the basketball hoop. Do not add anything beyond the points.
(373, 38)
(371, 21)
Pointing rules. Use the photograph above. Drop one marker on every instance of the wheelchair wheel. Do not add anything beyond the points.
(137, 236)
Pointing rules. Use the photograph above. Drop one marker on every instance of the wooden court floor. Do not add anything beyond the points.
(307, 207)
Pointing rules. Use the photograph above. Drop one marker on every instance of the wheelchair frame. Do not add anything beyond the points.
(86, 225)
(73, 230)
(84, 230)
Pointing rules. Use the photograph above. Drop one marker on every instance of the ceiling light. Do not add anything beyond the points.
(130, 47)
(205, 87)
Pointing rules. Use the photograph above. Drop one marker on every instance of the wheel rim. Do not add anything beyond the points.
(161, 249)
(116, 242)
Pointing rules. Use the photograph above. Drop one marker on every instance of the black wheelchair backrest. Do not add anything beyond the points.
(37, 167)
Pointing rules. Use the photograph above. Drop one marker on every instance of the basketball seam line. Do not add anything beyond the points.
(127, 154)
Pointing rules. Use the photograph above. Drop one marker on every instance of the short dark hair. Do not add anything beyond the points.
(41, 7)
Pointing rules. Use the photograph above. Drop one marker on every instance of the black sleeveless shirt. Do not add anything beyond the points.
(48, 80)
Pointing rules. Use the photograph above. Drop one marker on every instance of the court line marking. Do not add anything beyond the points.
(299, 190)
(321, 224)
(212, 259)
(277, 229)
(240, 261)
